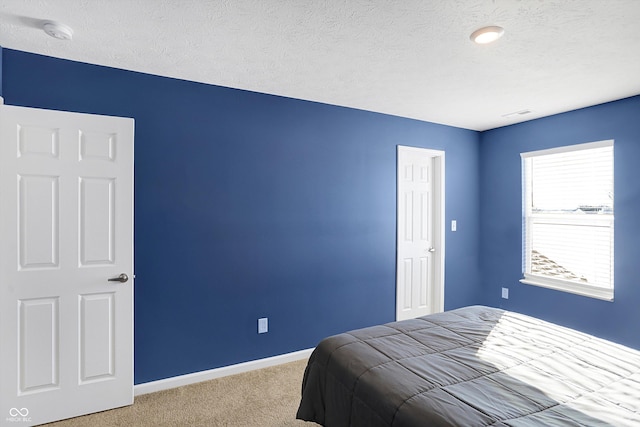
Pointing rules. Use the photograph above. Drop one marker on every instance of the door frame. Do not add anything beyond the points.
(438, 223)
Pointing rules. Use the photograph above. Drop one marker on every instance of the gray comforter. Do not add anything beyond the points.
(475, 366)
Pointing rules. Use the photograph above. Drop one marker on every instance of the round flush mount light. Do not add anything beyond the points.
(58, 30)
(486, 35)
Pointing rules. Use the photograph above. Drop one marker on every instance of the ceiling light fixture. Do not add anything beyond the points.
(57, 30)
(486, 35)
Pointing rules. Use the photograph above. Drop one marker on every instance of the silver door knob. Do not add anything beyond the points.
(121, 278)
(431, 249)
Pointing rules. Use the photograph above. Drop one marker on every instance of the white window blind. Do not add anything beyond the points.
(568, 218)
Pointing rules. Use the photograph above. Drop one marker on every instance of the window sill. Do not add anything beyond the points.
(574, 288)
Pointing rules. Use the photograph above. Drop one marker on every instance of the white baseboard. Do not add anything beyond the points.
(211, 374)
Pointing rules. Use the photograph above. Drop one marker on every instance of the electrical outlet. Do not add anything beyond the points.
(505, 293)
(454, 225)
(263, 325)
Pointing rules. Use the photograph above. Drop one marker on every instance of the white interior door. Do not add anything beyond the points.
(420, 235)
(66, 227)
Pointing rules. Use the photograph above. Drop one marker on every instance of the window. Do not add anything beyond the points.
(568, 218)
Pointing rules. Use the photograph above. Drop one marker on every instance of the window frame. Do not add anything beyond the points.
(529, 217)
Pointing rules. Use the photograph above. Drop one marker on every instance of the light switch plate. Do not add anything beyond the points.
(454, 225)
(505, 293)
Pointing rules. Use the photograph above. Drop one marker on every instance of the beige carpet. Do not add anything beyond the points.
(263, 398)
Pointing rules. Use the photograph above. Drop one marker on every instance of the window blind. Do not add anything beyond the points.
(568, 215)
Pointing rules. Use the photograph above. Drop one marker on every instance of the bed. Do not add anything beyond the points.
(474, 366)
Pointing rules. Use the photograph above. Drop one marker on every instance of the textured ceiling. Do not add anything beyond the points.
(411, 58)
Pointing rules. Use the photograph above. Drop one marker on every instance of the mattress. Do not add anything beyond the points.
(474, 366)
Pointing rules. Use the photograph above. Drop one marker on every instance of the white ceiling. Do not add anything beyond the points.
(411, 58)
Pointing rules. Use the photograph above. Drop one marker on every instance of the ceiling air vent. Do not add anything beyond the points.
(516, 114)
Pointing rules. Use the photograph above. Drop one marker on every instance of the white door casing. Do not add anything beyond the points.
(66, 227)
(420, 233)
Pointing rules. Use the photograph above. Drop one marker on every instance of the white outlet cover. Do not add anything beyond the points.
(263, 325)
(505, 293)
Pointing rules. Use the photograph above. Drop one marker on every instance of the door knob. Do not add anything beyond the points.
(121, 278)
(431, 249)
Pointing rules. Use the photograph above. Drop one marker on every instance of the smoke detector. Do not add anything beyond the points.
(57, 30)
(486, 35)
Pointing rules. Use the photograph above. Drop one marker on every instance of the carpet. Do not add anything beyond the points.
(266, 397)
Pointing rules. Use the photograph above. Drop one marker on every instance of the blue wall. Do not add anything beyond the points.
(501, 218)
(251, 205)
(1, 70)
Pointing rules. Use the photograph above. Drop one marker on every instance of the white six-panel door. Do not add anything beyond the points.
(420, 242)
(66, 227)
